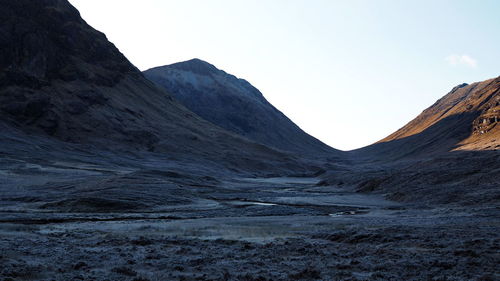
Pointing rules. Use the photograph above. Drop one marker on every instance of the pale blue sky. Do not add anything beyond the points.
(348, 72)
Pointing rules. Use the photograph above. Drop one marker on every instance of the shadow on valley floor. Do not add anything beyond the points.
(459, 178)
(425, 168)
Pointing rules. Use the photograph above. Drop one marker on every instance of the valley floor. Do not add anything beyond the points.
(253, 229)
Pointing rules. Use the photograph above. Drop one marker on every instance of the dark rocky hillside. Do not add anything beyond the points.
(62, 79)
(233, 104)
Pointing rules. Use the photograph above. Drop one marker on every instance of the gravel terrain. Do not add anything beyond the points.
(290, 229)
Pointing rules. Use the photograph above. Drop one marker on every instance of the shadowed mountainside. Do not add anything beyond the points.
(233, 104)
(62, 79)
(412, 171)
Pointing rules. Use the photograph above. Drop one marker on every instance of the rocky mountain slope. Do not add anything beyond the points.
(233, 104)
(62, 79)
(449, 154)
(464, 119)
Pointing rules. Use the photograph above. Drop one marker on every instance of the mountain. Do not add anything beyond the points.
(449, 154)
(464, 119)
(233, 104)
(63, 80)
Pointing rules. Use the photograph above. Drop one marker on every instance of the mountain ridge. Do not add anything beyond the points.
(233, 104)
(63, 79)
(466, 118)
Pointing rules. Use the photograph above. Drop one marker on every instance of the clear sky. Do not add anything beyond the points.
(347, 72)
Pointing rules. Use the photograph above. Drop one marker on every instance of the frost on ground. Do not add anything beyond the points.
(150, 225)
(447, 252)
(382, 244)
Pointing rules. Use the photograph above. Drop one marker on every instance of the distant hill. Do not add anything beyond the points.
(233, 104)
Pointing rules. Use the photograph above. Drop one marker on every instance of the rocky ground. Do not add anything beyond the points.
(255, 229)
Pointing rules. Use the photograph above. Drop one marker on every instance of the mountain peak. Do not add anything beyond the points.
(195, 65)
(233, 104)
(459, 87)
